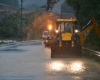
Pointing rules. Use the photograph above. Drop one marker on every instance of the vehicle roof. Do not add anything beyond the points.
(66, 20)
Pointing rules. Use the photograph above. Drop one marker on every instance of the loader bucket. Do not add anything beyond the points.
(66, 52)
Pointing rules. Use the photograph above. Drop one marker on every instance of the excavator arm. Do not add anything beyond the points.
(86, 30)
(97, 29)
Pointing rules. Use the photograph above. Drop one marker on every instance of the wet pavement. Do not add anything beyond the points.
(31, 61)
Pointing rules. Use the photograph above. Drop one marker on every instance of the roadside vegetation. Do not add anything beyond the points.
(3, 42)
(10, 26)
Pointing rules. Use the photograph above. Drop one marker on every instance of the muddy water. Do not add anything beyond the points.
(33, 62)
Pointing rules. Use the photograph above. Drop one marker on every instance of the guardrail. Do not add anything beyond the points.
(91, 53)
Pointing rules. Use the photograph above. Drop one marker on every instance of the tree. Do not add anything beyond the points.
(85, 9)
(10, 26)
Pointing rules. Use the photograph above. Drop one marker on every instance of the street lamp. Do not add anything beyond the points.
(50, 26)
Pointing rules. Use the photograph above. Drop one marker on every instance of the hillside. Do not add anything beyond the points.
(13, 3)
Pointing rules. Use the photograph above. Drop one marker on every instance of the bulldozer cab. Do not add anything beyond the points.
(66, 25)
(66, 28)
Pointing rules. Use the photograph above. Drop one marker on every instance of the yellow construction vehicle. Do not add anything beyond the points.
(86, 30)
(68, 40)
(64, 45)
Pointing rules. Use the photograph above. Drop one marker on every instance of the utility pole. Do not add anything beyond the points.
(61, 11)
(21, 18)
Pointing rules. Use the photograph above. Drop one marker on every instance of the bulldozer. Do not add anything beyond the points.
(68, 40)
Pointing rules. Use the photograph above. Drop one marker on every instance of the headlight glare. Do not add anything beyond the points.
(76, 31)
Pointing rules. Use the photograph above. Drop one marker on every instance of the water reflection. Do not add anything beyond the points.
(57, 66)
(72, 67)
(76, 67)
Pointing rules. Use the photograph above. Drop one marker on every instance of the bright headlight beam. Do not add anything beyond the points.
(76, 31)
(56, 31)
(76, 67)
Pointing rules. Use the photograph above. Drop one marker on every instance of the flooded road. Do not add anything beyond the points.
(31, 61)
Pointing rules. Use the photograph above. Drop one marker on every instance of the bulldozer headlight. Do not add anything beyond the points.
(56, 31)
(76, 31)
